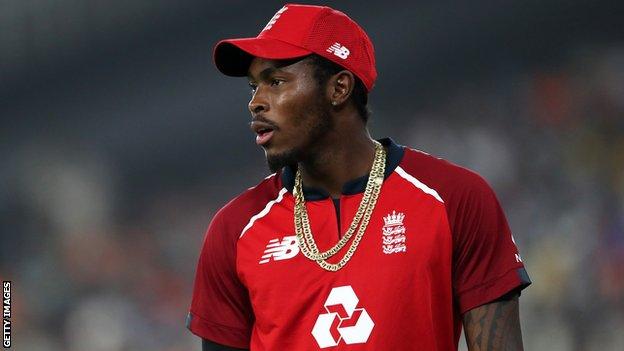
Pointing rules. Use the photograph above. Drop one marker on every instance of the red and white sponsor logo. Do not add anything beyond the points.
(344, 321)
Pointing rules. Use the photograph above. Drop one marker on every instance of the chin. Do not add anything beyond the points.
(277, 160)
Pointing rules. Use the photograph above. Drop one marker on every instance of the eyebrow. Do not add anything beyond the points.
(265, 73)
(277, 68)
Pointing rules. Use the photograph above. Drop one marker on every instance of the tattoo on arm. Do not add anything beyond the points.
(494, 327)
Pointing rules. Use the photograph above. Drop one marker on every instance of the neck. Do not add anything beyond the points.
(340, 158)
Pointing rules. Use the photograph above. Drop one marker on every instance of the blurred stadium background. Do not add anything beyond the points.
(119, 140)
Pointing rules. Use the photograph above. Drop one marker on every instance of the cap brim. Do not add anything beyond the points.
(233, 56)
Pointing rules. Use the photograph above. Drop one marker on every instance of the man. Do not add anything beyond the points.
(353, 243)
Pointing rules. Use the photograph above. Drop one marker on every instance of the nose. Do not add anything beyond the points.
(258, 103)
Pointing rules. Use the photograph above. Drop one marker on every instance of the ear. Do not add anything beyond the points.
(340, 87)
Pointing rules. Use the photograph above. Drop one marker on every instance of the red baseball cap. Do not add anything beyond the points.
(300, 30)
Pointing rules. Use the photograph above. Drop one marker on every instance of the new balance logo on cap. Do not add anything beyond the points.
(339, 50)
(280, 250)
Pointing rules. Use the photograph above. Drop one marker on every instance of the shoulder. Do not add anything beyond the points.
(449, 180)
(234, 215)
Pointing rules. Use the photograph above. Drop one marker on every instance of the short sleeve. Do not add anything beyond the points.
(220, 309)
(486, 262)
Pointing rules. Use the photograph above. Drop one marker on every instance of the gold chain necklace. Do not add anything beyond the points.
(360, 220)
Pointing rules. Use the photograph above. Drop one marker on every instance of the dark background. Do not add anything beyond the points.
(119, 139)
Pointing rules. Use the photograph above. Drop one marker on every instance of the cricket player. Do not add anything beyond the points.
(353, 243)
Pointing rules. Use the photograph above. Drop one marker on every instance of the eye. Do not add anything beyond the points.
(275, 82)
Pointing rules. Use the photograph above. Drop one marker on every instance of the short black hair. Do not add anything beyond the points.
(325, 68)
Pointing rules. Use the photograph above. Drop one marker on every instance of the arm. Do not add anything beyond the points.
(488, 271)
(208, 345)
(494, 326)
(220, 308)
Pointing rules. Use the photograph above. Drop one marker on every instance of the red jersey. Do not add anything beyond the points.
(436, 246)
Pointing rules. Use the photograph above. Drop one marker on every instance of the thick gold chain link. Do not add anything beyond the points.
(360, 221)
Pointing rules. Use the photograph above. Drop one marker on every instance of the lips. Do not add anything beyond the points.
(264, 137)
(264, 132)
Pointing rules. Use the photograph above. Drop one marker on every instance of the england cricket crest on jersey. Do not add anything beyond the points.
(393, 233)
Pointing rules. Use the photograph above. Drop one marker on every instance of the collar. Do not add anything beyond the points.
(352, 187)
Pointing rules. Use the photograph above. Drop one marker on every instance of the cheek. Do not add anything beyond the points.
(298, 106)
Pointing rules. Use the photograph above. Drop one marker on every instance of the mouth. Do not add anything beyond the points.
(263, 136)
(264, 132)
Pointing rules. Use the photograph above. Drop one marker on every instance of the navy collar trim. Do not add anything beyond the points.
(352, 187)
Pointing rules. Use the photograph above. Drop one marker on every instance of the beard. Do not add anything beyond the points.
(279, 161)
(314, 124)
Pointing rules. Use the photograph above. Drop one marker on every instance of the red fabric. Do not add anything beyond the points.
(218, 333)
(299, 30)
(483, 250)
(484, 255)
(220, 309)
(453, 252)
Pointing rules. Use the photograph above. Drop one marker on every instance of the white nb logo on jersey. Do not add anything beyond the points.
(339, 50)
(280, 250)
(343, 320)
